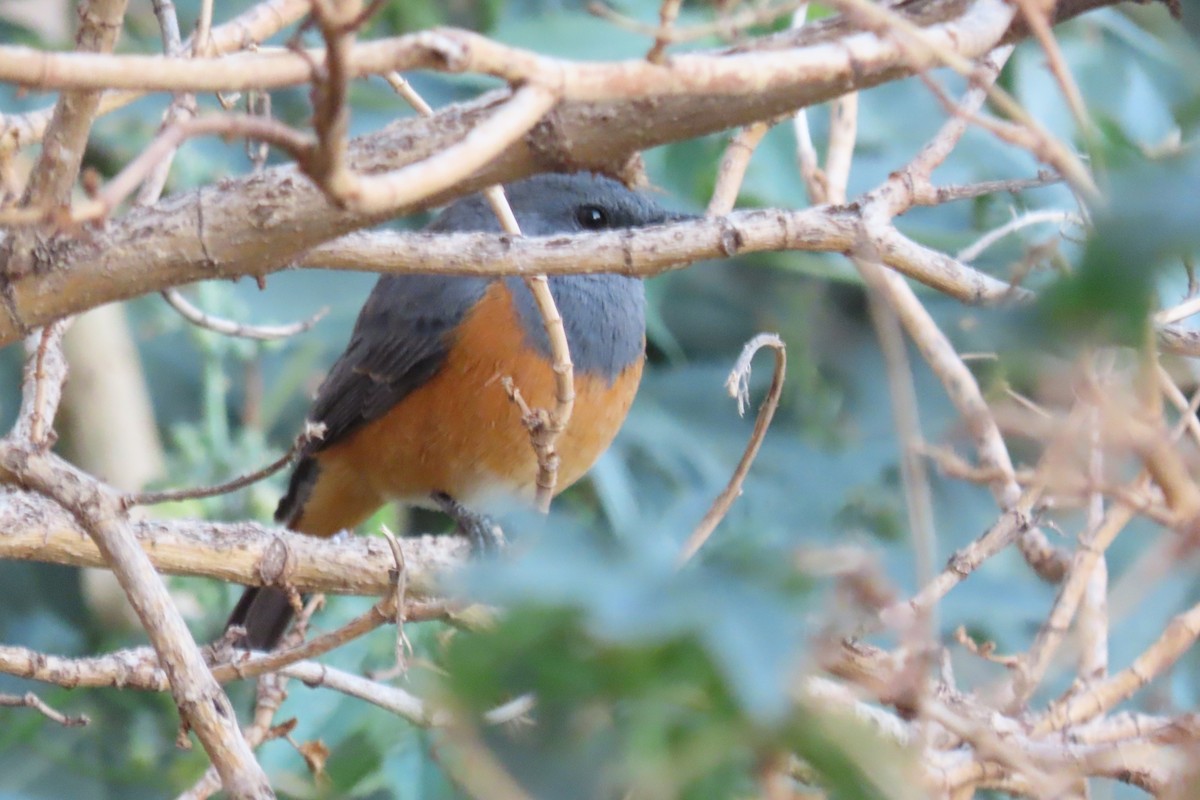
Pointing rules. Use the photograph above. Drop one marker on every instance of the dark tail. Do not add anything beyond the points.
(265, 613)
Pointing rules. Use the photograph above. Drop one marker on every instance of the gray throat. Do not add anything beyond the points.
(604, 317)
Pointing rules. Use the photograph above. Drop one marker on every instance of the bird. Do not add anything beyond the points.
(416, 411)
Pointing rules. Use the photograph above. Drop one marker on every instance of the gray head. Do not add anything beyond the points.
(604, 315)
(556, 203)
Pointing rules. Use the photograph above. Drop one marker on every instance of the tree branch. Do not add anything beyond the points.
(260, 22)
(258, 224)
(115, 264)
(202, 704)
(34, 528)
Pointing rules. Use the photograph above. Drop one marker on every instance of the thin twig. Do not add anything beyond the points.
(667, 13)
(399, 606)
(201, 39)
(732, 169)
(839, 155)
(726, 26)
(403, 88)
(806, 151)
(905, 415)
(544, 426)
(32, 701)
(241, 330)
(243, 667)
(310, 434)
(843, 136)
(41, 392)
(1178, 313)
(1070, 595)
(931, 195)
(974, 250)
(1093, 608)
(963, 562)
(738, 385)
(1176, 639)
(1038, 16)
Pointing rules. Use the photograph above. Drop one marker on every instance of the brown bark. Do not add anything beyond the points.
(261, 223)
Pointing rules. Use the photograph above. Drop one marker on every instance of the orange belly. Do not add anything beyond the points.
(461, 434)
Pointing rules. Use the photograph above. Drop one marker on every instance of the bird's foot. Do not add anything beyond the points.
(482, 531)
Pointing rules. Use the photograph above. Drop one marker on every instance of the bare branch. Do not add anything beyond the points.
(981, 24)
(33, 528)
(973, 251)
(240, 482)
(202, 704)
(1178, 637)
(241, 330)
(732, 170)
(544, 426)
(782, 79)
(738, 386)
(117, 266)
(31, 700)
(259, 22)
(41, 389)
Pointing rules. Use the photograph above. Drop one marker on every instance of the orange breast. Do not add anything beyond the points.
(460, 434)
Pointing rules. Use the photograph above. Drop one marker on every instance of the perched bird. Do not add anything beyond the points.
(415, 410)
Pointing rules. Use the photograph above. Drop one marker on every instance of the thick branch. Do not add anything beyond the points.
(259, 22)
(969, 26)
(116, 264)
(33, 528)
(202, 704)
(256, 224)
(71, 123)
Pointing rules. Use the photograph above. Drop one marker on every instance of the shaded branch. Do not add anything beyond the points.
(257, 224)
(258, 23)
(32, 701)
(738, 385)
(967, 27)
(116, 265)
(202, 705)
(33, 528)
(241, 330)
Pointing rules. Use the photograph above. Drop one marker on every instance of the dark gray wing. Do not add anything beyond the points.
(400, 341)
(401, 337)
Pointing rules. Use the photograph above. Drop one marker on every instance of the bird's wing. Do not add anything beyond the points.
(400, 341)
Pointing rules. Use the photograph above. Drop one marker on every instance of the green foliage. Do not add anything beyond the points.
(1148, 226)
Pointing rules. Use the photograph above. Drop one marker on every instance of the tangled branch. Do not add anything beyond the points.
(60, 255)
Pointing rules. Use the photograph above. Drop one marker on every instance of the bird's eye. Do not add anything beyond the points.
(591, 218)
